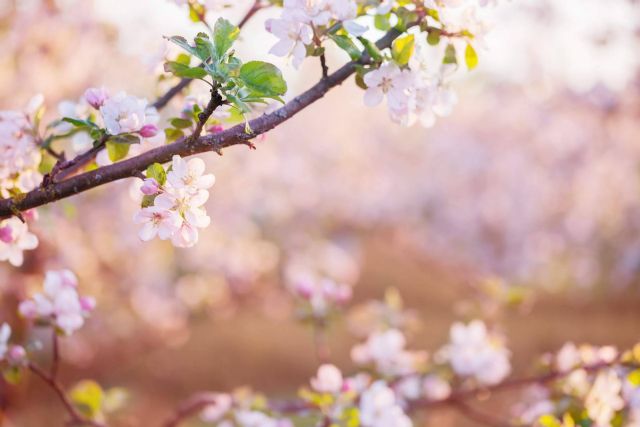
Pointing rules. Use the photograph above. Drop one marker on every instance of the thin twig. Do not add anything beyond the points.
(189, 408)
(77, 419)
(55, 351)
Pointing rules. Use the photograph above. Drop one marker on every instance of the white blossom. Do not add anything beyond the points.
(435, 387)
(604, 398)
(474, 352)
(59, 303)
(379, 408)
(178, 210)
(327, 380)
(124, 113)
(386, 351)
(19, 152)
(5, 335)
(16, 238)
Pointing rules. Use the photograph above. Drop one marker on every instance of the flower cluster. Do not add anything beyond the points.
(295, 28)
(59, 304)
(596, 385)
(321, 294)
(173, 207)
(19, 149)
(386, 352)
(16, 238)
(98, 115)
(475, 352)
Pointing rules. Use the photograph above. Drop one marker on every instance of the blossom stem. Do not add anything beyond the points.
(55, 351)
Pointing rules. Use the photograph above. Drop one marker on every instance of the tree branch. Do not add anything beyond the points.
(213, 142)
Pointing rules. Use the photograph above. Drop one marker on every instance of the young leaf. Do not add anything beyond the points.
(79, 123)
(117, 151)
(183, 43)
(450, 55)
(88, 397)
(181, 70)
(157, 172)
(371, 49)
(125, 138)
(180, 123)
(471, 57)
(173, 134)
(382, 22)
(433, 37)
(402, 49)
(224, 34)
(264, 78)
(345, 43)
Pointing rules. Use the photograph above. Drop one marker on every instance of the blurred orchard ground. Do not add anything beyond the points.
(533, 181)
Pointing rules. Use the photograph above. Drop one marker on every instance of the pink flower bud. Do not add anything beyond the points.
(304, 289)
(215, 129)
(28, 309)
(17, 355)
(87, 304)
(6, 234)
(150, 187)
(148, 131)
(342, 294)
(30, 215)
(96, 97)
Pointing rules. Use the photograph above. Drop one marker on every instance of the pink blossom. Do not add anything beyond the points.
(96, 97)
(150, 187)
(149, 130)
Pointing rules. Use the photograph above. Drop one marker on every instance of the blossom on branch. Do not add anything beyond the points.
(475, 352)
(19, 151)
(59, 304)
(14, 239)
(176, 211)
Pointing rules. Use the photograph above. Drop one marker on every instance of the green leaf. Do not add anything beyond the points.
(450, 55)
(264, 78)
(12, 375)
(204, 46)
(79, 123)
(183, 58)
(148, 200)
(382, 23)
(125, 138)
(433, 37)
(402, 49)
(371, 49)
(345, 43)
(180, 123)
(471, 57)
(549, 421)
(224, 34)
(182, 70)
(634, 378)
(183, 43)
(173, 134)
(117, 151)
(157, 172)
(88, 397)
